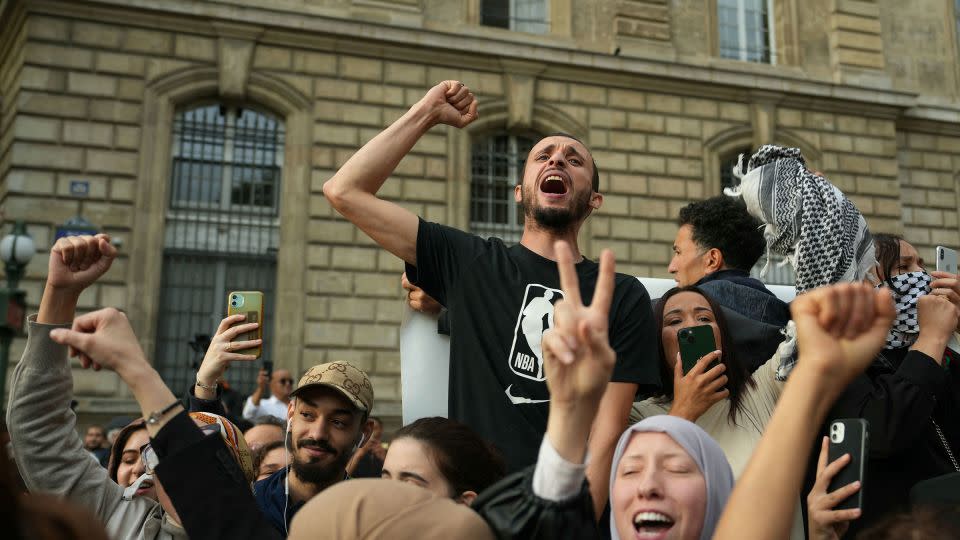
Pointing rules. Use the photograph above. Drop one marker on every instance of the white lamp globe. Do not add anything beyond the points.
(17, 248)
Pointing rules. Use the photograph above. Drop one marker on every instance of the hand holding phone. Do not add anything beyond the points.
(250, 305)
(849, 436)
(699, 381)
(695, 342)
(946, 260)
(824, 519)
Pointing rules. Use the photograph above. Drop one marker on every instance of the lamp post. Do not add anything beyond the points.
(16, 250)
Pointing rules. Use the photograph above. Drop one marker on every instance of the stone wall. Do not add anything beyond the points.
(89, 93)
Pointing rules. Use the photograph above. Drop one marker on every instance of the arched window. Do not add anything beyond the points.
(496, 167)
(221, 234)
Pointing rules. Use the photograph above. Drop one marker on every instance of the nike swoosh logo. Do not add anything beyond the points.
(516, 400)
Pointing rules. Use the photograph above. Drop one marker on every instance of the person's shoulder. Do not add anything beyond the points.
(627, 284)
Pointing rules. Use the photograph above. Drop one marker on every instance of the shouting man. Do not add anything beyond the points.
(496, 382)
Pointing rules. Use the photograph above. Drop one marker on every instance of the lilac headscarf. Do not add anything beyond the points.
(702, 449)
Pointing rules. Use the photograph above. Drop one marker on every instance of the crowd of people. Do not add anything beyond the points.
(571, 412)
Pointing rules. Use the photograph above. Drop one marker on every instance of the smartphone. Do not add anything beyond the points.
(946, 260)
(268, 367)
(849, 436)
(250, 304)
(695, 343)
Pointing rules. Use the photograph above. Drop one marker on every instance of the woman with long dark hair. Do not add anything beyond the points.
(718, 394)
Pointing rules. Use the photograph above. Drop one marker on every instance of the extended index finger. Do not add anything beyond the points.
(569, 283)
(603, 294)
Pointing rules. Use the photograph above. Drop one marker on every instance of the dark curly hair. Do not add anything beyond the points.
(465, 460)
(723, 222)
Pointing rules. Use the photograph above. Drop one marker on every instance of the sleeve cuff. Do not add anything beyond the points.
(177, 434)
(925, 372)
(554, 478)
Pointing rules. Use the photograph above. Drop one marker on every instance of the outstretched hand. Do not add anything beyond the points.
(451, 103)
(841, 328)
(78, 261)
(102, 339)
(578, 359)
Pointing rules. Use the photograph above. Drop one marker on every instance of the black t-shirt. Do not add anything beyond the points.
(500, 301)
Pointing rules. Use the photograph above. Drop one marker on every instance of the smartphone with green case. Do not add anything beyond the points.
(695, 343)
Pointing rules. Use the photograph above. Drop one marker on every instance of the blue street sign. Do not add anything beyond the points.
(75, 226)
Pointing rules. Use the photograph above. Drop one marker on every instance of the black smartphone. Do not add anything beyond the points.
(695, 343)
(849, 436)
(268, 367)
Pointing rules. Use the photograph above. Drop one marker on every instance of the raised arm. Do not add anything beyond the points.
(353, 190)
(42, 426)
(840, 329)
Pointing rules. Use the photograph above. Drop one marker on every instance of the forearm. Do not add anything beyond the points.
(57, 306)
(610, 422)
(773, 477)
(568, 429)
(367, 170)
(150, 392)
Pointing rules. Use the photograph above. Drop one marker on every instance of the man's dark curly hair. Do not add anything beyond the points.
(723, 222)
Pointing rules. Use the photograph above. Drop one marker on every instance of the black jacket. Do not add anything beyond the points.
(901, 396)
(514, 512)
(205, 484)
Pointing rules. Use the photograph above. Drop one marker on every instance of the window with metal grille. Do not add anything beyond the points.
(496, 167)
(745, 28)
(776, 274)
(222, 232)
(519, 15)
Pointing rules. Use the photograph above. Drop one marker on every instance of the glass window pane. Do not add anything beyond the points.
(496, 167)
(221, 234)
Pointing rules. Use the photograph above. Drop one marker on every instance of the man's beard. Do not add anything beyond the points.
(317, 473)
(555, 220)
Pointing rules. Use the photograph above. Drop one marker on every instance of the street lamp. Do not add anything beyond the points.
(16, 250)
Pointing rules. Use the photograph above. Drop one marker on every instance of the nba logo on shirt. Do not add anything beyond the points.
(535, 318)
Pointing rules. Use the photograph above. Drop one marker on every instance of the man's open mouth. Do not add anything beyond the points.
(553, 185)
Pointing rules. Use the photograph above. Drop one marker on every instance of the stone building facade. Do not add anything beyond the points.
(109, 96)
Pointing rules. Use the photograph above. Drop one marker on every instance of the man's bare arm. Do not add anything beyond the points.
(610, 423)
(352, 191)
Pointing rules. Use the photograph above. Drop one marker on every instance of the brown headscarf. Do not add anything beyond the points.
(367, 509)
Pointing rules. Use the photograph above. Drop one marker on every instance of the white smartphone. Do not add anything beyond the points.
(946, 260)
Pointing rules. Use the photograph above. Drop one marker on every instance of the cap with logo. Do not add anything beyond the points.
(346, 378)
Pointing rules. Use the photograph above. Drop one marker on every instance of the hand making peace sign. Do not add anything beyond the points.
(578, 359)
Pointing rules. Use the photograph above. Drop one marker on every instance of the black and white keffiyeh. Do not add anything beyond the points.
(906, 290)
(807, 220)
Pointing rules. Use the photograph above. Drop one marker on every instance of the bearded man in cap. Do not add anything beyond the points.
(326, 423)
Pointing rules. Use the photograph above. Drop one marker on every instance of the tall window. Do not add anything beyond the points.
(496, 167)
(520, 15)
(222, 232)
(776, 274)
(746, 29)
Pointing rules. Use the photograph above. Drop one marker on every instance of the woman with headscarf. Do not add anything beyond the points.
(668, 479)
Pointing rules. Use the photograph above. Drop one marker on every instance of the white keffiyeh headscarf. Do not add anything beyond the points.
(807, 220)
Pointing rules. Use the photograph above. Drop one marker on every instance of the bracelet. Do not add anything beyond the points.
(208, 387)
(155, 416)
